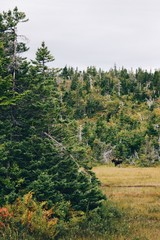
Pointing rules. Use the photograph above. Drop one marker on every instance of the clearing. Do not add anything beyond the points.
(136, 191)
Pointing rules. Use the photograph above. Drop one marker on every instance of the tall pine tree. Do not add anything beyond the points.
(32, 157)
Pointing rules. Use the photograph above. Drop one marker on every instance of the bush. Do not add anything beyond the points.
(100, 223)
(30, 220)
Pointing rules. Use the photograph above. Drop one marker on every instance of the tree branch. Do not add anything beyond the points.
(63, 148)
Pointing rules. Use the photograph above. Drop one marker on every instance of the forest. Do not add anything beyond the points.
(55, 125)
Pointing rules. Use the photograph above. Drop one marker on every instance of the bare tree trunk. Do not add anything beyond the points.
(80, 133)
(119, 88)
(14, 59)
(90, 82)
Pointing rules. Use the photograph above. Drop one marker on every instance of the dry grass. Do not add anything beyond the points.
(137, 192)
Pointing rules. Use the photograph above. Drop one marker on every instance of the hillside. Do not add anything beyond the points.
(117, 113)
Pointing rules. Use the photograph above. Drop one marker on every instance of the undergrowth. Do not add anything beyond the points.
(28, 219)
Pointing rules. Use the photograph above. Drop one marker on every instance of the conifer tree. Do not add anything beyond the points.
(10, 97)
(9, 23)
(43, 57)
(32, 157)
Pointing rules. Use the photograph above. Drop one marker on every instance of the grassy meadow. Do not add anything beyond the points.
(135, 191)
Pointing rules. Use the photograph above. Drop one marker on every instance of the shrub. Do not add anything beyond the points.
(29, 218)
(32, 220)
(100, 223)
(4, 217)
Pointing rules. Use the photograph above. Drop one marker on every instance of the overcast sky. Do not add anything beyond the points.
(99, 33)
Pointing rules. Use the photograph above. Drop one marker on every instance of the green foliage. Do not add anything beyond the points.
(35, 153)
(28, 219)
(101, 223)
(117, 111)
(55, 124)
(43, 57)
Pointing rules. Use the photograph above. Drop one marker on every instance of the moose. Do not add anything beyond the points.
(116, 161)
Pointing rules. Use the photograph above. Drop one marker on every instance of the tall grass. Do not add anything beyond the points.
(136, 191)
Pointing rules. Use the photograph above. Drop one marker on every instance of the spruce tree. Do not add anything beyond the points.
(43, 57)
(10, 96)
(56, 173)
(33, 157)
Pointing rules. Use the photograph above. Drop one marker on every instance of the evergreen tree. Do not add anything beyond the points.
(10, 124)
(31, 156)
(43, 57)
(9, 23)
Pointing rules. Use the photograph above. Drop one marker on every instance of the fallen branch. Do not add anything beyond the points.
(63, 148)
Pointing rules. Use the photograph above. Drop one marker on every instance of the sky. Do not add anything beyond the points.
(100, 33)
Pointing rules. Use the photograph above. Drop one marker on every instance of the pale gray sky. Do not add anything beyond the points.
(99, 33)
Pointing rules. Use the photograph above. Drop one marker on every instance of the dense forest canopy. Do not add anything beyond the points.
(55, 124)
(33, 149)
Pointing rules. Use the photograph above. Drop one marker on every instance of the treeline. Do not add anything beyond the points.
(117, 112)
